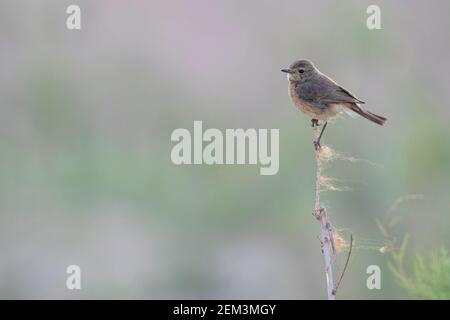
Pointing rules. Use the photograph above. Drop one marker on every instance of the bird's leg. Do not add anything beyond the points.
(314, 123)
(317, 142)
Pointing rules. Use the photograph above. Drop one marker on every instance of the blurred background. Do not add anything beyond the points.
(86, 118)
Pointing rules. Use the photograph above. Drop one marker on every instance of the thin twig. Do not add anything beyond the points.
(346, 264)
(326, 235)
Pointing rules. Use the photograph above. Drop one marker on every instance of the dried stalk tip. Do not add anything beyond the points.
(327, 154)
(339, 242)
(327, 184)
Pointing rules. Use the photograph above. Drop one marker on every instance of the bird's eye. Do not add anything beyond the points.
(301, 70)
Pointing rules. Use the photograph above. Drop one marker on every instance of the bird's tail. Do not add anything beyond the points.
(368, 115)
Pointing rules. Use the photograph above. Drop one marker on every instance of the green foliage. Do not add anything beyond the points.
(430, 278)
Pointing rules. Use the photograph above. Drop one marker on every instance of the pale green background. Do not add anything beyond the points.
(86, 118)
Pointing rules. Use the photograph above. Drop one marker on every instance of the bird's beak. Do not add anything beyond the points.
(286, 70)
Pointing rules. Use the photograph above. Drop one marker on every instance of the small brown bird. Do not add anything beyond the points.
(320, 97)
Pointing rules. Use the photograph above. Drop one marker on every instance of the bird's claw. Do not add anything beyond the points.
(314, 123)
(316, 145)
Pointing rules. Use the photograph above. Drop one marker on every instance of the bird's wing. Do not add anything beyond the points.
(323, 91)
(349, 94)
(339, 95)
(331, 92)
(308, 91)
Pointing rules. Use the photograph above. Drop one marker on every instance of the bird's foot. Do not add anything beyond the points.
(314, 123)
(317, 145)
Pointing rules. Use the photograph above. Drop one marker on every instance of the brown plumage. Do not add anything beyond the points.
(320, 97)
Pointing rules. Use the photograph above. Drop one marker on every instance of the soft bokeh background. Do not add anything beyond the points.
(86, 118)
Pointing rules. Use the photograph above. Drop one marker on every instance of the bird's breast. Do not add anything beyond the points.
(310, 109)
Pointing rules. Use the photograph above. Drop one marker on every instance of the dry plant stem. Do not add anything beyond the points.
(326, 232)
(346, 265)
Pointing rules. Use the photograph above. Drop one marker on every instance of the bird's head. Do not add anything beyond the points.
(300, 70)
